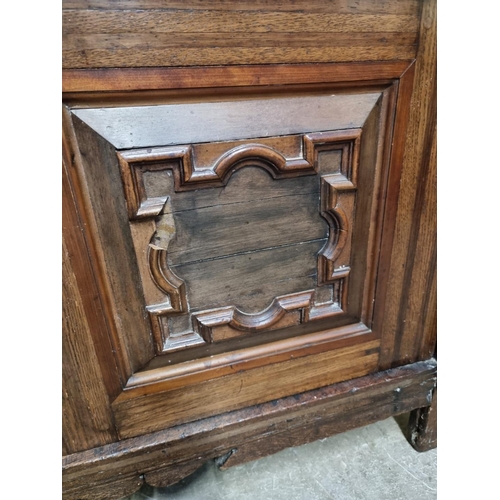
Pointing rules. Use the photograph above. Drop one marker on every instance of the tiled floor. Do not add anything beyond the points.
(371, 463)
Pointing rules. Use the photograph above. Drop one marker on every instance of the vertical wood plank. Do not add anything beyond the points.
(411, 273)
(87, 418)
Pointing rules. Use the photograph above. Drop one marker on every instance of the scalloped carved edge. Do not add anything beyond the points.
(187, 176)
(331, 186)
(233, 317)
(134, 163)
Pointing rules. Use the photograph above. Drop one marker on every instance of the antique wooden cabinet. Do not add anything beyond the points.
(248, 228)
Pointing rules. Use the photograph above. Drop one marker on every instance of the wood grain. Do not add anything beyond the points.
(411, 275)
(219, 281)
(129, 79)
(165, 125)
(150, 57)
(408, 7)
(155, 411)
(164, 374)
(99, 180)
(140, 34)
(75, 238)
(87, 419)
(302, 417)
(206, 21)
(223, 230)
(315, 45)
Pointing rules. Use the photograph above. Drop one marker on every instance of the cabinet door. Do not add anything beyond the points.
(240, 236)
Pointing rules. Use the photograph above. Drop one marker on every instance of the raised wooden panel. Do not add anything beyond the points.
(249, 231)
(261, 259)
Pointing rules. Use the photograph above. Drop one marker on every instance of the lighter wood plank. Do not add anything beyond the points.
(157, 411)
(151, 57)
(205, 21)
(156, 41)
(87, 421)
(131, 127)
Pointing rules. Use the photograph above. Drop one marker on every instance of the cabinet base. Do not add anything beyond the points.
(165, 457)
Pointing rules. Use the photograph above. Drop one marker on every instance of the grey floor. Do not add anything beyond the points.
(371, 463)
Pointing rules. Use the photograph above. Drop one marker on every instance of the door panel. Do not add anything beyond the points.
(238, 244)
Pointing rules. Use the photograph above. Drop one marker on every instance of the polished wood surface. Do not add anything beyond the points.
(130, 79)
(123, 392)
(152, 33)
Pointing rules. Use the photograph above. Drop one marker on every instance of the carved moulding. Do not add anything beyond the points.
(225, 322)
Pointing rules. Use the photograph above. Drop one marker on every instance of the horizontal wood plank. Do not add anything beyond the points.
(158, 41)
(266, 274)
(156, 411)
(151, 56)
(230, 22)
(223, 230)
(246, 185)
(408, 7)
(127, 79)
(165, 125)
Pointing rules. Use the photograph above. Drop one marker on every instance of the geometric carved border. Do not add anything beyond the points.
(187, 176)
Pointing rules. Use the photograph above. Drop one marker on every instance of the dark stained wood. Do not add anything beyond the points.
(110, 490)
(87, 418)
(303, 417)
(127, 79)
(219, 282)
(422, 426)
(408, 324)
